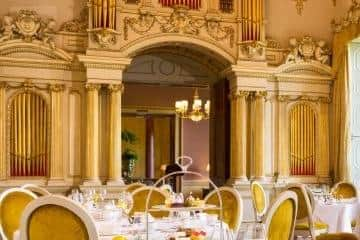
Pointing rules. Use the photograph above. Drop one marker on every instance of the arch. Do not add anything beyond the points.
(19, 48)
(194, 42)
(305, 68)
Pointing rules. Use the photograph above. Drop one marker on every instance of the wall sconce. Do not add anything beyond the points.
(208, 167)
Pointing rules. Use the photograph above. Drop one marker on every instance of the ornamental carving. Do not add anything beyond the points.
(308, 50)
(27, 25)
(299, 6)
(315, 99)
(105, 37)
(352, 17)
(180, 21)
(252, 50)
(78, 25)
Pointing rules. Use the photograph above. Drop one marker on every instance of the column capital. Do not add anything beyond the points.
(116, 87)
(92, 86)
(56, 87)
(3, 85)
(260, 94)
(235, 94)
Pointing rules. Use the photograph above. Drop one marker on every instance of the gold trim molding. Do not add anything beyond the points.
(316, 99)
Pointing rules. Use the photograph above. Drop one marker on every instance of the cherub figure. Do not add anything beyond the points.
(47, 34)
(7, 29)
(293, 56)
(321, 53)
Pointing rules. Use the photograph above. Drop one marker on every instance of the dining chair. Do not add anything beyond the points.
(337, 236)
(281, 216)
(259, 200)
(232, 206)
(39, 191)
(56, 218)
(12, 204)
(133, 186)
(157, 197)
(344, 190)
(305, 224)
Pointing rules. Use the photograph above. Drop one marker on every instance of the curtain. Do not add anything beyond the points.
(341, 102)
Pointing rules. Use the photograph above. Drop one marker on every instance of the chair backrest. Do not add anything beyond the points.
(232, 206)
(56, 218)
(344, 190)
(140, 196)
(12, 204)
(304, 212)
(39, 191)
(281, 216)
(259, 199)
(133, 186)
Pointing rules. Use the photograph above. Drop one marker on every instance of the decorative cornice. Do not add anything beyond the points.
(56, 87)
(100, 62)
(116, 87)
(236, 94)
(292, 98)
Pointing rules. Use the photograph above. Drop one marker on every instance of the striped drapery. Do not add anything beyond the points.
(104, 14)
(252, 12)
(28, 136)
(302, 140)
(192, 4)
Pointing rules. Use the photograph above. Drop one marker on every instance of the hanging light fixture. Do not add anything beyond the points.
(197, 113)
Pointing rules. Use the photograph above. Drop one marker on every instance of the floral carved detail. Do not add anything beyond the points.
(179, 22)
(78, 25)
(308, 50)
(104, 37)
(27, 25)
(252, 50)
(140, 25)
(352, 17)
(299, 6)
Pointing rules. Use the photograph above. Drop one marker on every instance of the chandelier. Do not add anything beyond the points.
(197, 113)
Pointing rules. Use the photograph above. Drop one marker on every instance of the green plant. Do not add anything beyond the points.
(129, 156)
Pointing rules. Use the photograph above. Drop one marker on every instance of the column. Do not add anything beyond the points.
(3, 165)
(323, 165)
(57, 152)
(259, 135)
(283, 131)
(91, 176)
(150, 151)
(238, 146)
(115, 159)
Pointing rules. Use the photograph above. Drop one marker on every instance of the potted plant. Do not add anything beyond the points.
(129, 156)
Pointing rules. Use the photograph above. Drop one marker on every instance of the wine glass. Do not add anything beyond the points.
(125, 202)
(256, 231)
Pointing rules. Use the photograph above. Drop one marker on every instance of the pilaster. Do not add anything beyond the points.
(259, 149)
(3, 167)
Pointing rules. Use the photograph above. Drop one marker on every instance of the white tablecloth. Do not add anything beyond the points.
(337, 215)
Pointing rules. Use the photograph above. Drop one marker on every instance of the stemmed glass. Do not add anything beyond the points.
(256, 231)
(125, 202)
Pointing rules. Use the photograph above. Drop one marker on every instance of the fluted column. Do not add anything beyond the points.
(259, 135)
(57, 151)
(3, 130)
(283, 150)
(91, 175)
(323, 167)
(238, 136)
(115, 176)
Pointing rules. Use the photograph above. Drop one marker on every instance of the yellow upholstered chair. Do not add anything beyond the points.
(281, 216)
(12, 204)
(337, 236)
(259, 200)
(56, 218)
(344, 190)
(39, 191)
(232, 206)
(305, 225)
(133, 186)
(157, 197)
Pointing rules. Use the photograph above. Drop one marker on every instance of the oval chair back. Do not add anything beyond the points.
(344, 190)
(12, 204)
(232, 206)
(259, 200)
(281, 216)
(39, 191)
(304, 212)
(56, 218)
(133, 186)
(157, 197)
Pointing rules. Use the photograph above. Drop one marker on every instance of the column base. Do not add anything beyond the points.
(92, 182)
(238, 181)
(115, 183)
(56, 182)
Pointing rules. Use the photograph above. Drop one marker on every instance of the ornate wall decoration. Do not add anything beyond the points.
(179, 22)
(78, 25)
(27, 25)
(352, 17)
(308, 50)
(252, 50)
(104, 37)
(304, 98)
(299, 6)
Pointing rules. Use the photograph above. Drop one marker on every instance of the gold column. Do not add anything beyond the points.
(91, 175)
(238, 136)
(115, 176)
(57, 160)
(323, 165)
(3, 168)
(283, 150)
(259, 134)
